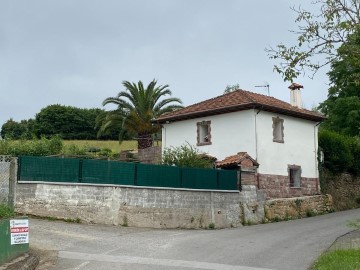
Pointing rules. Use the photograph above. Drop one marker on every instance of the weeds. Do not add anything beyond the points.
(6, 211)
(72, 220)
(125, 221)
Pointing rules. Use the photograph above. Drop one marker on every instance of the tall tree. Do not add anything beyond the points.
(17, 130)
(343, 103)
(136, 107)
(318, 34)
(67, 121)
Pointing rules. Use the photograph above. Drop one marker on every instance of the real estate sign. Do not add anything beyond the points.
(19, 230)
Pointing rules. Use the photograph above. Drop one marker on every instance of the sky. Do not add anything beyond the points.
(77, 53)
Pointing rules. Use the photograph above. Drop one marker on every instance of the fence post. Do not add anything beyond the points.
(217, 179)
(135, 174)
(240, 186)
(80, 170)
(12, 180)
(181, 177)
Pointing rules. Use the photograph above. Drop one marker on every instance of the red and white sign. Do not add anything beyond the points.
(19, 230)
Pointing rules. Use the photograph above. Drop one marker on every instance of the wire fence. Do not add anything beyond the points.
(4, 178)
(52, 169)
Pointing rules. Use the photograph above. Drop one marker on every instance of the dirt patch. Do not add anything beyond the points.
(48, 258)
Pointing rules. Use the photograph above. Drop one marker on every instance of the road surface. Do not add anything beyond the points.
(285, 245)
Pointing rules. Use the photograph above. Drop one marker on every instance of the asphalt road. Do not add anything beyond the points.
(292, 245)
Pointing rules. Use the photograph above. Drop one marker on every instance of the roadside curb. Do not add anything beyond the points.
(28, 261)
(350, 240)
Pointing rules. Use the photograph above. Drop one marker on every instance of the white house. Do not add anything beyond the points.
(280, 137)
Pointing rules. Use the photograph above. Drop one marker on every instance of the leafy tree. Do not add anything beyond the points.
(185, 156)
(136, 107)
(66, 121)
(231, 88)
(343, 103)
(17, 130)
(317, 35)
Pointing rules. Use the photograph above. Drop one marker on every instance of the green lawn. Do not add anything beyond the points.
(115, 146)
(339, 260)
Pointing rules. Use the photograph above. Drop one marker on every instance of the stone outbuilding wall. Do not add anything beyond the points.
(278, 186)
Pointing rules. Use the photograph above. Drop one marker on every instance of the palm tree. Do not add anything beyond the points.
(136, 107)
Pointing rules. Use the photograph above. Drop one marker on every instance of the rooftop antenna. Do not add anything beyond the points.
(266, 84)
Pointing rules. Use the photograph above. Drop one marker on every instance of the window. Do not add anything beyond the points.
(295, 176)
(278, 130)
(203, 133)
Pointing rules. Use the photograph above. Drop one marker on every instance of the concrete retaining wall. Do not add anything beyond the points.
(288, 208)
(130, 206)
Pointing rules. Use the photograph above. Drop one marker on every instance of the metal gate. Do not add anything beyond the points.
(5, 196)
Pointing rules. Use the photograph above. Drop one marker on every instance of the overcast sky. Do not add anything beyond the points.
(77, 52)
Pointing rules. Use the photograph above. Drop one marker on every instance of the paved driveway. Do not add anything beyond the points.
(284, 245)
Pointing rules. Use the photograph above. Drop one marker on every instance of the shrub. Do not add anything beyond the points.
(74, 150)
(185, 156)
(35, 147)
(341, 153)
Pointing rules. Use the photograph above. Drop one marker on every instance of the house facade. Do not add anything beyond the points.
(280, 137)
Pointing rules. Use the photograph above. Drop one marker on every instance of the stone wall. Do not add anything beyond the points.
(344, 188)
(130, 206)
(278, 186)
(151, 155)
(288, 208)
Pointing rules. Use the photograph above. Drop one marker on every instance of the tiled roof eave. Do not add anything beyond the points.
(204, 113)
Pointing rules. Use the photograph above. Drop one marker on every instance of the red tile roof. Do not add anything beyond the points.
(238, 100)
(235, 160)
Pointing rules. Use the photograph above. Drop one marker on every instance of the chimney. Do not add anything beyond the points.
(295, 95)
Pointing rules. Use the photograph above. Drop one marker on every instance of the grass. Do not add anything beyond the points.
(339, 260)
(115, 146)
(6, 211)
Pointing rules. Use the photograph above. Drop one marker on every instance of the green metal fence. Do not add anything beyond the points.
(53, 169)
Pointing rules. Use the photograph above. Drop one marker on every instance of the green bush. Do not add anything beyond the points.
(35, 147)
(185, 156)
(341, 153)
(75, 150)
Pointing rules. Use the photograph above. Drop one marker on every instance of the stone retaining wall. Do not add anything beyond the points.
(344, 188)
(288, 208)
(130, 206)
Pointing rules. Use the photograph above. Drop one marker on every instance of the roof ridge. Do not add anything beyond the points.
(246, 93)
